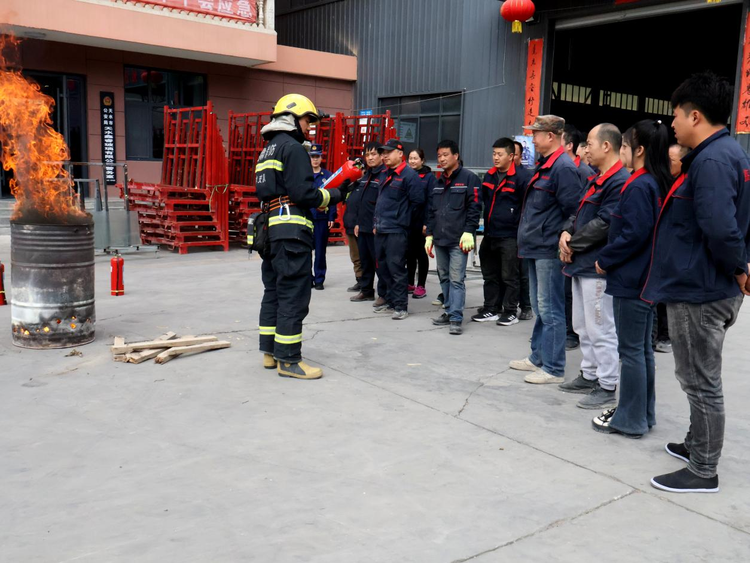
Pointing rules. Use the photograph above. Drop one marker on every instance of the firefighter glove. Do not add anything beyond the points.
(467, 242)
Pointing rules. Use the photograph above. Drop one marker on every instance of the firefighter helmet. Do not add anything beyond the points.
(296, 105)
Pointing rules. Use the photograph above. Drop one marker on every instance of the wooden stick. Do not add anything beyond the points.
(172, 353)
(151, 344)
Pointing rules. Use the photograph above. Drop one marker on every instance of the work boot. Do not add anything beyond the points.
(526, 314)
(299, 371)
(579, 385)
(379, 301)
(362, 296)
(355, 288)
(598, 398)
(455, 328)
(442, 320)
(268, 361)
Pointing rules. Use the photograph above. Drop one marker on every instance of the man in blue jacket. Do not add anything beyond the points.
(322, 219)
(551, 198)
(400, 193)
(699, 268)
(580, 242)
(502, 193)
(452, 221)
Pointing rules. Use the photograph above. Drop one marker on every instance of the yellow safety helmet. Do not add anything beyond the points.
(296, 105)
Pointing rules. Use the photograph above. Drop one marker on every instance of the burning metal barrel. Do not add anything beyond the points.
(52, 276)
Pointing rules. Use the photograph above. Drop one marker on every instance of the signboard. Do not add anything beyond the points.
(107, 110)
(528, 156)
(365, 112)
(407, 131)
(743, 110)
(533, 80)
(243, 10)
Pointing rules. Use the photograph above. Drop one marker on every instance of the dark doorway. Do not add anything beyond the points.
(68, 116)
(624, 72)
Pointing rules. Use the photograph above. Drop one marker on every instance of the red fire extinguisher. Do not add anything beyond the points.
(3, 301)
(352, 170)
(117, 265)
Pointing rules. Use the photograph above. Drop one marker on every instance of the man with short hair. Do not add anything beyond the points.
(524, 300)
(452, 221)
(322, 219)
(518, 155)
(699, 268)
(401, 192)
(583, 237)
(551, 198)
(502, 192)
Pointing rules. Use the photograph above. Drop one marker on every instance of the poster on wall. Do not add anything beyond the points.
(528, 155)
(107, 109)
(533, 80)
(743, 110)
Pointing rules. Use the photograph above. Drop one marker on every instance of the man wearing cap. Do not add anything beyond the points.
(284, 183)
(322, 218)
(400, 193)
(551, 198)
(452, 221)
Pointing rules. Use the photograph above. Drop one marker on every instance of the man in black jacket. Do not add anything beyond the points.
(284, 181)
(452, 221)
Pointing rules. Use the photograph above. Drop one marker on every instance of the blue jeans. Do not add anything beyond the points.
(451, 265)
(636, 410)
(547, 291)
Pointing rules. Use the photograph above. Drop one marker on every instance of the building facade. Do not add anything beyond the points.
(453, 69)
(143, 56)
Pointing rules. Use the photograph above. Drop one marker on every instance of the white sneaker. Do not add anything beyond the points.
(540, 377)
(523, 365)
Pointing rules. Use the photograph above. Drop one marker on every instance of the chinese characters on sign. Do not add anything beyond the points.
(243, 10)
(107, 105)
(743, 110)
(533, 80)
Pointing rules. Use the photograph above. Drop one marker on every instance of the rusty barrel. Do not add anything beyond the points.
(52, 281)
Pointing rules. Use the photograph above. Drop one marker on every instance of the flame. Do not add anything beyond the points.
(31, 148)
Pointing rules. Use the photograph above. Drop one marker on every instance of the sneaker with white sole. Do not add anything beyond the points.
(399, 315)
(484, 315)
(507, 320)
(685, 481)
(541, 377)
(601, 423)
(523, 365)
(678, 450)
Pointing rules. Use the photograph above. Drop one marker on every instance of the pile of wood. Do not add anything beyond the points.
(165, 348)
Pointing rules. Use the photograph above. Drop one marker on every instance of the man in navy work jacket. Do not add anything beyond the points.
(366, 194)
(699, 268)
(452, 221)
(322, 218)
(400, 193)
(551, 198)
(580, 243)
(502, 193)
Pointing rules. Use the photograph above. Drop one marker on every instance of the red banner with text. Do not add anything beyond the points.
(743, 110)
(533, 80)
(242, 10)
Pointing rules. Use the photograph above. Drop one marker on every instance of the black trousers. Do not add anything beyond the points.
(498, 257)
(369, 264)
(569, 308)
(525, 297)
(417, 257)
(286, 299)
(391, 255)
(661, 324)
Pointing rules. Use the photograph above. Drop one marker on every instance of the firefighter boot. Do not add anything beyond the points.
(299, 371)
(268, 361)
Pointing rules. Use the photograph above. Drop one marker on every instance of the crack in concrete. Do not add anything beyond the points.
(549, 526)
(477, 388)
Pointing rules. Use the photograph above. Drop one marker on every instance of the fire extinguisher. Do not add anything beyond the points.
(352, 170)
(117, 265)
(2, 285)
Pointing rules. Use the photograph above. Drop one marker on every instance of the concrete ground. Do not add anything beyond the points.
(416, 446)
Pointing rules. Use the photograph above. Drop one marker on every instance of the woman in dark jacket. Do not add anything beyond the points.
(416, 255)
(625, 260)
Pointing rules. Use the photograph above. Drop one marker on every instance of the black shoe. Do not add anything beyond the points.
(362, 296)
(579, 385)
(507, 320)
(319, 286)
(456, 328)
(526, 314)
(685, 481)
(598, 398)
(355, 288)
(484, 315)
(572, 342)
(678, 450)
(442, 320)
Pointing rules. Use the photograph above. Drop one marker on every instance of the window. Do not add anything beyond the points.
(571, 93)
(147, 91)
(424, 121)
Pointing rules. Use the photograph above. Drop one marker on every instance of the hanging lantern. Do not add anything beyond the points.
(517, 11)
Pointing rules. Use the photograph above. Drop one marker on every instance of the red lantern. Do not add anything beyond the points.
(517, 11)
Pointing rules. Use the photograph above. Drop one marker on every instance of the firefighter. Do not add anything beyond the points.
(284, 183)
